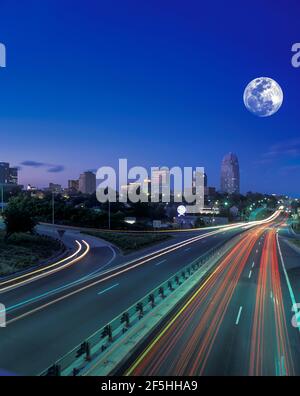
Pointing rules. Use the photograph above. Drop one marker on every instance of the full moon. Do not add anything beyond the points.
(263, 96)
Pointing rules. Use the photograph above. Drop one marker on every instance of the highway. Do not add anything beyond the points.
(237, 322)
(48, 317)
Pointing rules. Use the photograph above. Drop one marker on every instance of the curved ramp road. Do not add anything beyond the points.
(19, 280)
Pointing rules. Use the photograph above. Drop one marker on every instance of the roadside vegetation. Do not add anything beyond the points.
(24, 250)
(25, 209)
(129, 243)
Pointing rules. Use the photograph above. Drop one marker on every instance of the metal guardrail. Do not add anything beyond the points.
(102, 339)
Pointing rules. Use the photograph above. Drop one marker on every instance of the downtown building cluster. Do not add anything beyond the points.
(86, 183)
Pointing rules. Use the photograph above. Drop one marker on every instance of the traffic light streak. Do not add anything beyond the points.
(274, 335)
(213, 297)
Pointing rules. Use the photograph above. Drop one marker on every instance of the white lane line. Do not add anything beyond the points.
(253, 264)
(187, 249)
(283, 372)
(107, 289)
(294, 304)
(250, 273)
(134, 264)
(111, 260)
(160, 262)
(256, 250)
(238, 315)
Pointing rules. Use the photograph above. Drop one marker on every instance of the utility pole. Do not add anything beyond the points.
(2, 198)
(53, 207)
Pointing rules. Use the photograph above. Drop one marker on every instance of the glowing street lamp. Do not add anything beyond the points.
(181, 210)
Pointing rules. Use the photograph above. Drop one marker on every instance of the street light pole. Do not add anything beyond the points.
(53, 207)
(108, 214)
(2, 198)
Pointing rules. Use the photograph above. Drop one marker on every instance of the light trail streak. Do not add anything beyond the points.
(108, 274)
(269, 330)
(121, 269)
(172, 352)
(45, 271)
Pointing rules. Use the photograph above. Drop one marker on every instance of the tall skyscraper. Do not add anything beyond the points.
(87, 183)
(230, 174)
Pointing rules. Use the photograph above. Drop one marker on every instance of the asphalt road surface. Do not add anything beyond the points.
(48, 317)
(238, 321)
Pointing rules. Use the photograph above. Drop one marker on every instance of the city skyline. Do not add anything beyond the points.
(230, 187)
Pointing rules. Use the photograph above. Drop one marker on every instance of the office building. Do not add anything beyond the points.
(87, 183)
(73, 186)
(55, 188)
(8, 175)
(230, 174)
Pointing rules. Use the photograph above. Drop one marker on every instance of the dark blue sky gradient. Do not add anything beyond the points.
(157, 82)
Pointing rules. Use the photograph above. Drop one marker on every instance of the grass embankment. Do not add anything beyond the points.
(129, 243)
(24, 250)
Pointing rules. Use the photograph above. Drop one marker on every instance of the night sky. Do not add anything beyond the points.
(158, 82)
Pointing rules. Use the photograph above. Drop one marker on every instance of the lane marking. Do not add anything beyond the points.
(253, 264)
(165, 329)
(107, 289)
(283, 372)
(250, 273)
(294, 304)
(109, 262)
(66, 286)
(238, 315)
(108, 274)
(123, 268)
(160, 262)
